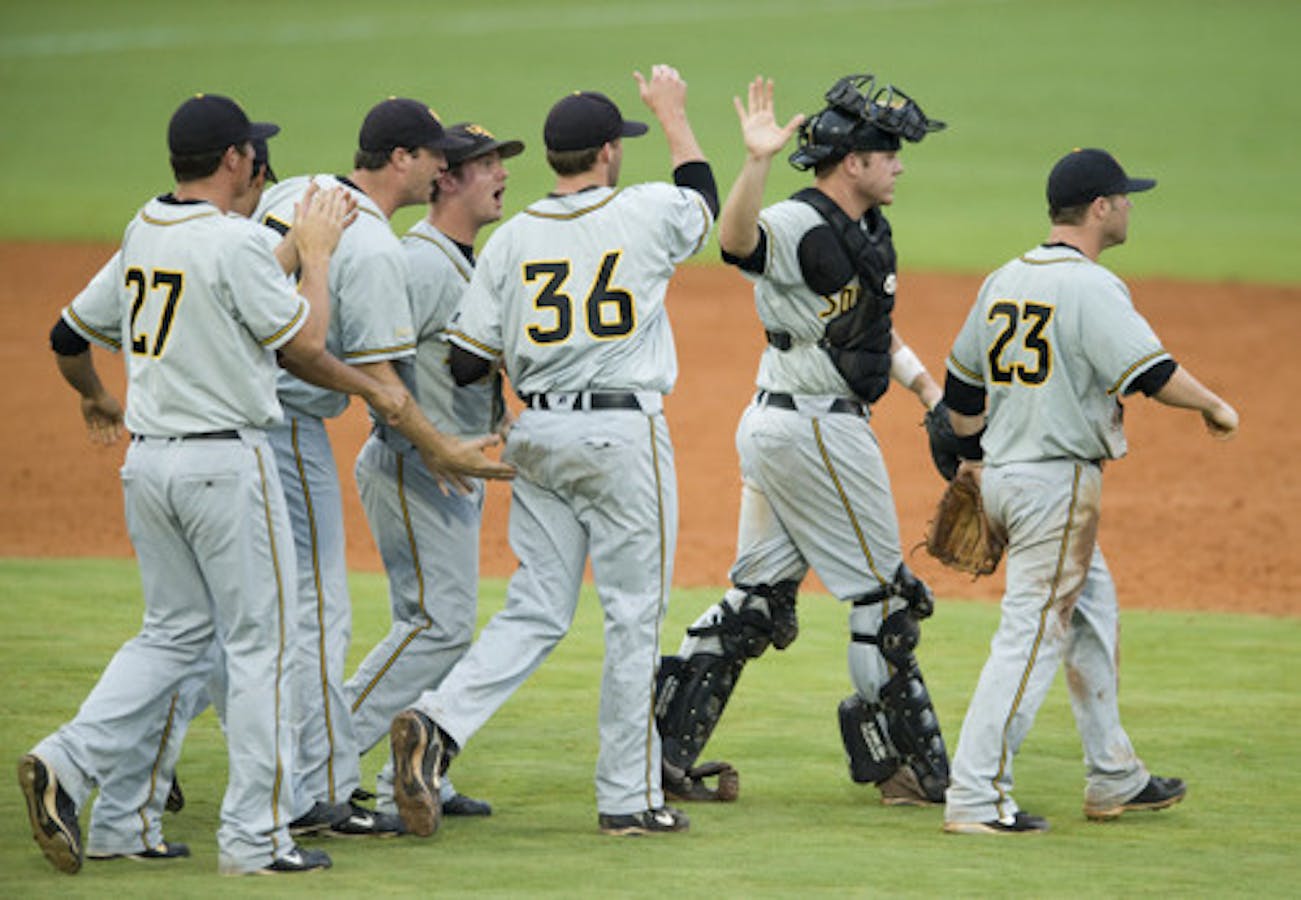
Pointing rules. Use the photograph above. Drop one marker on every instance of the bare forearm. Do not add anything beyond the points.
(79, 372)
(738, 224)
(287, 254)
(683, 146)
(314, 286)
(1186, 392)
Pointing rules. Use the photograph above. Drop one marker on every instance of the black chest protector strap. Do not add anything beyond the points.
(858, 340)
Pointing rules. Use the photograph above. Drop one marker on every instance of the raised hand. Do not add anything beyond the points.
(763, 137)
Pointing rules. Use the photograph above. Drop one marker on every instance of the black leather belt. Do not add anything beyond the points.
(786, 401)
(228, 435)
(583, 400)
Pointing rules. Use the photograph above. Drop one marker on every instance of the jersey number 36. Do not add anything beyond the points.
(608, 311)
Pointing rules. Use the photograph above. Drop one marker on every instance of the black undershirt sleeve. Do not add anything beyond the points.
(698, 176)
(66, 342)
(963, 398)
(755, 261)
(467, 367)
(1154, 378)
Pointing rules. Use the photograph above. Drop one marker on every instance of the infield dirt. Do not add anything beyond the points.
(1188, 522)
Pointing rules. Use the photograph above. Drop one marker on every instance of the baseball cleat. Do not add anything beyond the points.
(297, 860)
(320, 818)
(52, 813)
(362, 822)
(461, 805)
(903, 789)
(418, 748)
(1158, 793)
(162, 851)
(1021, 823)
(664, 820)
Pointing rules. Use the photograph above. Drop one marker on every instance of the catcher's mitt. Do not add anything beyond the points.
(680, 786)
(960, 535)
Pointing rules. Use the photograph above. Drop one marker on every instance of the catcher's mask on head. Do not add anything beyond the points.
(861, 116)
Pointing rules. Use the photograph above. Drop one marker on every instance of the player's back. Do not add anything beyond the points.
(197, 322)
(581, 280)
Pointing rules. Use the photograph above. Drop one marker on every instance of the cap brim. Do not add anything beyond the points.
(451, 141)
(633, 129)
(262, 130)
(1134, 185)
(504, 149)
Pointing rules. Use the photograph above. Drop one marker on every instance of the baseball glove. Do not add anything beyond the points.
(680, 786)
(960, 535)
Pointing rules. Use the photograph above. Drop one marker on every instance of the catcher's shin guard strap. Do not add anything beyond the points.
(690, 695)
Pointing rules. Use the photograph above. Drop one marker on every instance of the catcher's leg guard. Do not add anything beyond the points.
(693, 689)
(871, 755)
(910, 716)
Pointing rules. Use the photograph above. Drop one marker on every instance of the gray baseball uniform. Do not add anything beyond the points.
(428, 539)
(370, 322)
(1053, 340)
(570, 295)
(201, 304)
(814, 487)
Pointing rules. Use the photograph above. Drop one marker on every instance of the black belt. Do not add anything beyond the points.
(786, 401)
(227, 435)
(583, 400)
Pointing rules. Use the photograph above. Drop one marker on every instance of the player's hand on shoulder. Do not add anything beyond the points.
(103, 415)
(1221, 421)
(763, 137)
(320, 216)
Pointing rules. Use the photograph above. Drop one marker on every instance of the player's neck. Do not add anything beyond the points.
(455, 222)
(844, 196)
(1086, 240)
(211, 190)
(572, 184)
(379, 189)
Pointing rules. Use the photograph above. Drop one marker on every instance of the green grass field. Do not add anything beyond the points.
(1200, 94)
(1207, 697)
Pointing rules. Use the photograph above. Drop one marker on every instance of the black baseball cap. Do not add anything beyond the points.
(262, 158)
(587, 119)
(209, 122)
(402, 122)
(479, 141)
(1081, 175)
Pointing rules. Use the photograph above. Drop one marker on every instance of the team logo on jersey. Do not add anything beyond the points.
(889, 284)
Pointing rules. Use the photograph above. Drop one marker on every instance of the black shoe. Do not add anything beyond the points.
(321, 817)
(362, 822)
(421, 753)
(664, 820)
(461, 805)
(1158, 793)
(52, 813)
(298, 859)
(175, 799)
(1021, 823)
(162, 851)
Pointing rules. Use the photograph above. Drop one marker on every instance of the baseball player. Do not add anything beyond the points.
(569, 295)
(126, 802)
(401, 152)
(203, 309)
(429, 538)
(1034, 384)
(815, 492)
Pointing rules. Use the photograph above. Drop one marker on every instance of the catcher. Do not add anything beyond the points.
(815, 491)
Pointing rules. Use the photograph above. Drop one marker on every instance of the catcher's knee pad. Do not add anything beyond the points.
(870, 754)
(690, 695)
